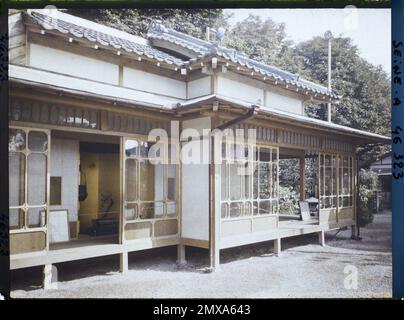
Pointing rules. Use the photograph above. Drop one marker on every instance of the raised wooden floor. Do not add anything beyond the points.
(91, 248)
(84, 249)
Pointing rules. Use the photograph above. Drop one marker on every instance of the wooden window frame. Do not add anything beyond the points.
(247, 202)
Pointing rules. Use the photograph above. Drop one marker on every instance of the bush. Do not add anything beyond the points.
(288, 200)
(368, 184)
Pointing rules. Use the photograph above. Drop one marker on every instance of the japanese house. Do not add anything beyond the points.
(83, 100)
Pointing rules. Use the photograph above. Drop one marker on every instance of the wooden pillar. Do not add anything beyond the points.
(302, 178)
(277, 247)
(49, 277)
(321, 238)
(181, 257)
(123, 262)
(214, 206)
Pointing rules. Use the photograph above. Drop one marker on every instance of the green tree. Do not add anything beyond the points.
(137, 21)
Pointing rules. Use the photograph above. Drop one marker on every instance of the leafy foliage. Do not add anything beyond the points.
(137, 21)
(368, 184)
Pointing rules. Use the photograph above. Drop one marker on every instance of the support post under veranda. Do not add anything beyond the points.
(277, 247)
(181, 254)
(123, 262)
(50, 277)
(321, 238)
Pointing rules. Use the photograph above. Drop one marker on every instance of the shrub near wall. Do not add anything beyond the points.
(368, 185)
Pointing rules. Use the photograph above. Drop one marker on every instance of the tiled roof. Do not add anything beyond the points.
(203, 48)
(50, 23)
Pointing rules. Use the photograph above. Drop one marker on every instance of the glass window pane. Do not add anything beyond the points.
(247, 208)
(224, 180)
(171, 182)
(265, 183)
(37, 141)
(131, 148)
(37, 163)
(151, 181)
(274, 181)
(328, 181)
(327, 160)
(16, 140)
(240, 151)
(55, 195)
(171, 209)
(16, 181)
(274, 206)
(224, 150)
(235, 181)
(36, 217)
(255, 208)
(147, 211)
(247, 180)
(235, 209)
(255, 180)
(131, 179)
(265, 207)
(224, 210)
(144, 149)
(345, 179)
(131, 211)
(265, 154)
(16, 219)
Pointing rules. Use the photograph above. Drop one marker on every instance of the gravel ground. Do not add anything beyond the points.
(304, 269)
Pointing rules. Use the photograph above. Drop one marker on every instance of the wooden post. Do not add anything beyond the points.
(302, 178)
(181, 257)
(277, 246)
(49, 277)
(214, 208)
(321, 238)
(123, 262)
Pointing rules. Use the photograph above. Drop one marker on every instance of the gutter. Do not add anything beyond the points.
(251, 113)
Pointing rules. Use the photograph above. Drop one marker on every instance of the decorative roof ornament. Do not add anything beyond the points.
(157, 26)
(219, 35)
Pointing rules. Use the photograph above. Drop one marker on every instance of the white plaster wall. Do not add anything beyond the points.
(72, 64)
(199, 124)
(199, 87)
(237, 90)
(195, 191)
(283, 101)
(195, 201)
(65, 160)
(140, 80)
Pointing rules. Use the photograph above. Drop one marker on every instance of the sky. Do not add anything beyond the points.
(370, 29)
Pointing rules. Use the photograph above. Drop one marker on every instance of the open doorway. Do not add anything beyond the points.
(84, 189)
(99, 190)
(298, 182)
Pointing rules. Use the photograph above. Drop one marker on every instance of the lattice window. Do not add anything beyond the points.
(346, 182)
(150, 181)
(328, 181)
(28, 184)
(249, 180)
